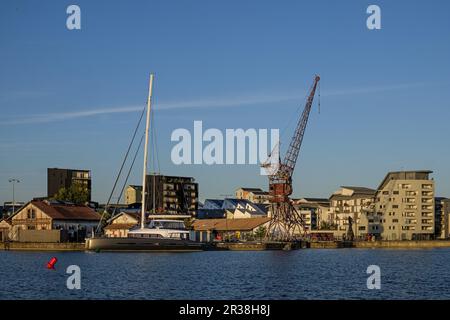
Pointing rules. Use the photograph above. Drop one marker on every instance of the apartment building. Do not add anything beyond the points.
(65, 178)
(405, 204)
(255, 195)
(442, 221)
(354, 202)
(171, 195)
(315, 212)
(133, 194)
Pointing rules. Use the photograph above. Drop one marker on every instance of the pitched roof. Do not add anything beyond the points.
(354, 196)
(115, 226)
(135, 215)
(358, 193)
(229, 224)
(5, 221)
(217, 202)
(317, 199)
(323, 202)
(135, 187)
(230, 203)
(251, 189)
(262, 207)
(60, 211)
(363, 190)
(260, 193)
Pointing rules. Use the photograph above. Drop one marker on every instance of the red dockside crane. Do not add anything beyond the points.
(286, 223)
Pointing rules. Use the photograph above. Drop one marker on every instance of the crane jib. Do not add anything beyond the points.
(294, 148)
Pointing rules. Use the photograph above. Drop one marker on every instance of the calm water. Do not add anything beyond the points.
(301, 274)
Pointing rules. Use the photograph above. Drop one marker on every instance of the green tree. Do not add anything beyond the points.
(188, 222)
(76, 193)
(327, 226)
(260, 232)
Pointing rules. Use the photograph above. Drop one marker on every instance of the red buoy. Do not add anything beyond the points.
(51, 263)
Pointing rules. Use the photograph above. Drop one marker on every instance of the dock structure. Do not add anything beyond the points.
(259, 246)
(209, 230)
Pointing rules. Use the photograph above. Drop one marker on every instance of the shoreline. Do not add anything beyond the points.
(382, 244)
(42, 246)
(243, 246)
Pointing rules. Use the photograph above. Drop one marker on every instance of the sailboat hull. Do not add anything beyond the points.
(138, 244)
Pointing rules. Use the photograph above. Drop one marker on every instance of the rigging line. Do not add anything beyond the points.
(121, 168)
(156, 144)
(156, 148)
(126, 156)
(129, 171)
(153, 165)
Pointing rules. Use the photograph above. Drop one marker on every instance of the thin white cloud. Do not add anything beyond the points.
(54, 117)
(202, 103)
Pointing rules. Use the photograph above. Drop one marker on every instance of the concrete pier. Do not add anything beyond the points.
(42, 246)
(406, 244)
(258, 246)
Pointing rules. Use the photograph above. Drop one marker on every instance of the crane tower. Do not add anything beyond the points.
(286, 223)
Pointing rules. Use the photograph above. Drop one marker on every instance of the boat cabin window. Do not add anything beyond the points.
(144, 235)
(182, 236)
(177, 225)
(153, 235)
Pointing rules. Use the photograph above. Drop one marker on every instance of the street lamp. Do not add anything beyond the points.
(14, 181)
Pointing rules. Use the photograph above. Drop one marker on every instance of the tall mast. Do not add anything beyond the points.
(144, 173)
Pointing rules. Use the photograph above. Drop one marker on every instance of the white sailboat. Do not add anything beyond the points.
(158, 234)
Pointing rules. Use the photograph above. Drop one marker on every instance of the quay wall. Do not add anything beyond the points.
(256, 246)
(403, 244)
(42, 246)
(326, 244)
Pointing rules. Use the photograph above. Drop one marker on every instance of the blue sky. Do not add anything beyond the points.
(70, 98)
